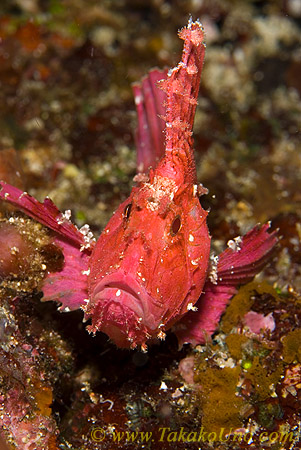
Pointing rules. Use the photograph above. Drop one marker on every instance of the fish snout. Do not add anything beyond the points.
(119, 307)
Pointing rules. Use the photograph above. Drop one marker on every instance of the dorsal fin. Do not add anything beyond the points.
(150, 105)
(182, 87)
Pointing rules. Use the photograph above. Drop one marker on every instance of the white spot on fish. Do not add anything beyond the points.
(161, 335)
(190, 307)
(213, 270)
(138, 99)
(143, 348)
(85, 231)
(118, 293)
(67, 214)
(235, 244)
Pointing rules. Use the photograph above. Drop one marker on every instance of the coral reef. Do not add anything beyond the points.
(67, 110)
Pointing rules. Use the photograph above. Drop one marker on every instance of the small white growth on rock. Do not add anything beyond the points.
(107, 400)
(163, 386)
(177, 394)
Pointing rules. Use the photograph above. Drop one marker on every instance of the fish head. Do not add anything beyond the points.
(149, 264)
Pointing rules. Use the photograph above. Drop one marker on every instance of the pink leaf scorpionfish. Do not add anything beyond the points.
(149, 269)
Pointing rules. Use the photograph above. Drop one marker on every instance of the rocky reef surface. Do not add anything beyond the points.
(67, 121)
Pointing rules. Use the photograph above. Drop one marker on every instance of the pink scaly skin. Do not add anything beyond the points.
(160, 231)
(150, 264)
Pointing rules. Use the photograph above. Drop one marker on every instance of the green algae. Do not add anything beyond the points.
(268, 413)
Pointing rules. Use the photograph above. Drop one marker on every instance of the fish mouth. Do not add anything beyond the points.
(123, 289)
(121, 308)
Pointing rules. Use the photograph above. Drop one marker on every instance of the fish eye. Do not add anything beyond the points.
(175, 226)
(127, 211)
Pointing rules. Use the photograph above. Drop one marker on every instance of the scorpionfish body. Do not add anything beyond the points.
(150, 263)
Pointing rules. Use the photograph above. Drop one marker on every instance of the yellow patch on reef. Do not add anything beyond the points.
(220, 405)
(263, 382)
(235, 343)
(43, 398)
(291, 346)
(242, 303)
